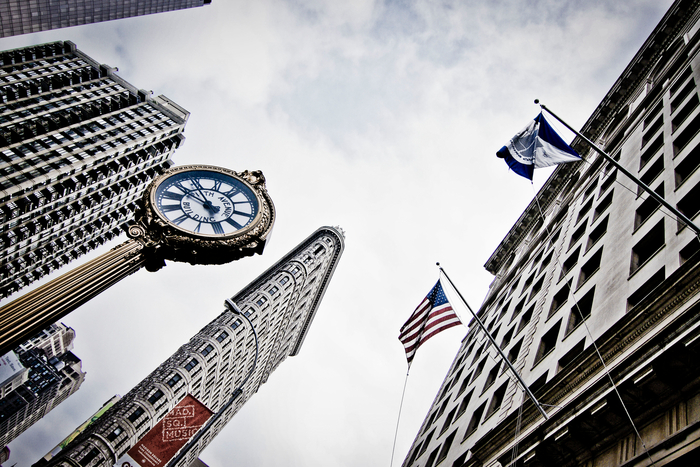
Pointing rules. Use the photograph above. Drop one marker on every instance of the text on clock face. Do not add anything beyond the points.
(207, 204)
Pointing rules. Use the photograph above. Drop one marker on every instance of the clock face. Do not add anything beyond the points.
(206, 202)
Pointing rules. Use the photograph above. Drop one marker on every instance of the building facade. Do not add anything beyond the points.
(213, 365)
(78, 146)
(53, 374)
(593, 260)
(27, 16)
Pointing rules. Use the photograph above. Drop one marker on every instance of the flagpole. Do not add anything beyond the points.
(641, 184)
(493, 342)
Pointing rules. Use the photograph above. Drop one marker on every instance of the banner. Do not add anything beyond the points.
(168, 436)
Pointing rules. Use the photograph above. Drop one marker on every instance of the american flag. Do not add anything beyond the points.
(433, 315)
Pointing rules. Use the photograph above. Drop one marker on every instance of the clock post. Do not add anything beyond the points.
(196, 214)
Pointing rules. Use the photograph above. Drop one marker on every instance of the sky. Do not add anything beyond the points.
(381, 117)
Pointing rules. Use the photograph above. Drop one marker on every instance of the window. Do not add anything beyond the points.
(506, 338)
(684, 137)
(647, 247)
(426, 442)
(571, 355)
(687, 166)
(656, 126)
(173, 381)
(570, 262)
(689, 250)
(135, 414)
(113, 435)
(456, 378)
(580, 311)
(464, 385)
(431, 458)
(191, 364)
(651, 174)
(442, 408)
(684, 113)
(652, 114)
(207, 350)
(689, 205)
(527, 316)
(647, 208)
(584, 210)
(236, 323)
(602, 206)
(446, 447)
(591, 188)
(646, 288)
(678, 100)
(560, 298)
(155, 396)
(493, 374)
(527, 284)
(514, 352)
(448, 420)
(576, 236)
(536, 288)
(651, 151)
(597, 233)
(474, 422)
(546, 261)
(497, 399)
(590, 268)
(222, 336)
(609, 180)
(518, 308)
(464, 404)
(548, 342)
(89, 457)
(479, 368)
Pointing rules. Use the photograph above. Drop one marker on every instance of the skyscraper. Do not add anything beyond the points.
(594, 284)
(78, 145)
(24, 17)
(51, 374)
(214, 367)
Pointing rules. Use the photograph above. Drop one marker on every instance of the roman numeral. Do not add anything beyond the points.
(181, 219)
(173, 196)
(170, 207)
(217, 228)
(234, 223)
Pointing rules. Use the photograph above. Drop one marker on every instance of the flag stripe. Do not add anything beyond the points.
(432, 316)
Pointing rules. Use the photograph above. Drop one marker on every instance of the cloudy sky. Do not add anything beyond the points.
(380, 117)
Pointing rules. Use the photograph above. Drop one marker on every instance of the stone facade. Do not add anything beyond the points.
(593, 259)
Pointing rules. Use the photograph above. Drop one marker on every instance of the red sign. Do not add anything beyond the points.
(169, 435)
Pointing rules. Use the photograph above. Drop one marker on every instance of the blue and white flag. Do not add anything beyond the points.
(536, 146)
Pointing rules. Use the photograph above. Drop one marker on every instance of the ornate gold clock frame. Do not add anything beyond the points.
(197, 214)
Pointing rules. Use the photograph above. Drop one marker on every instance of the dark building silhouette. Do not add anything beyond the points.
(27, 16)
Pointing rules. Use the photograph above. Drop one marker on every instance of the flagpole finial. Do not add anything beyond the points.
(537, 101)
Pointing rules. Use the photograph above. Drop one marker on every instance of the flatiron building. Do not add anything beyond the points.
(594, 260)
(78, 146)
(213, 366)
